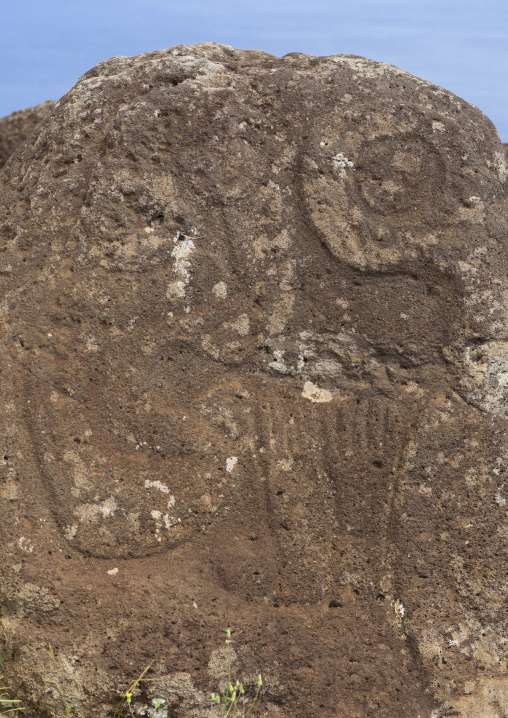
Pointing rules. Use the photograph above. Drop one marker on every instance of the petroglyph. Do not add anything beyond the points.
(254, 365)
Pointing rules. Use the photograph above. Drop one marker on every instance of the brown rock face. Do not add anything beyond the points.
(15, 128)
(254, 374)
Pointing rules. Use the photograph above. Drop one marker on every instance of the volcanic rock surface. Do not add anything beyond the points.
(253, 374)
(15, 128)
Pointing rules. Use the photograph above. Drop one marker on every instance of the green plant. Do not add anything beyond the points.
(232, 703)
(68, 710)
(1, 659)
(126, 698)
(7, 704)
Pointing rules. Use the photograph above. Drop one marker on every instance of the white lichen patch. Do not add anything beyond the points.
(209, 346)
(487, 384)
(241, 325)
(70, 531)
(25, 544)
(158, 709)
(499, 499)
(176, 289)
(323, 367)
(500, 165)
(163, 521)
(278, 363)
(399, 610)
(184, 247)
(220, 290)
(157, 485)
(364, 68)
(231, 462)
(91, 344)
(92, 512)
(315, 393)
(285, 464)
(341, 161)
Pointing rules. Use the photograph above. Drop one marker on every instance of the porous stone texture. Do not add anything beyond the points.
(253, 372)
(15, 128)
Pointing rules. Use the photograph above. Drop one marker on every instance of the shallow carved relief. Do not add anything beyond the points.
(256, 368)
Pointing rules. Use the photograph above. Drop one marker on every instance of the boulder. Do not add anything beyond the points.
(253, 375)
(15, 128)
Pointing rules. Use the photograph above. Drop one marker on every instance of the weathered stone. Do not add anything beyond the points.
(15, 128)
(254, 374)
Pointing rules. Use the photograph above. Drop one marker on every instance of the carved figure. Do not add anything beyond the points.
(254, 367)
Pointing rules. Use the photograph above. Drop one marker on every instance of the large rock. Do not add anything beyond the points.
(15, 128)
(254, 374)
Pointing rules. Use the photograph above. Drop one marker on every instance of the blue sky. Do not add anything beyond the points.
(459, 44)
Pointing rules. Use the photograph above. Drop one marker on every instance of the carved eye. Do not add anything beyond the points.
(399, 175)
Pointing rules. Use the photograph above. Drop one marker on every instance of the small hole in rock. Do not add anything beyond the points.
(157, 219)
